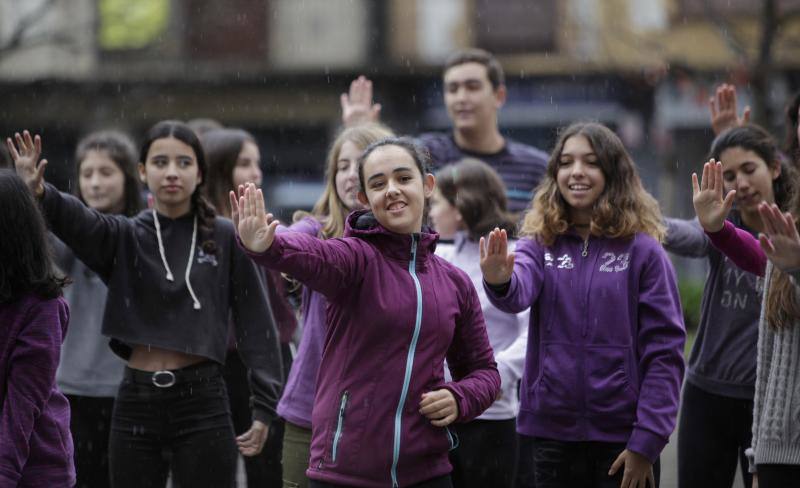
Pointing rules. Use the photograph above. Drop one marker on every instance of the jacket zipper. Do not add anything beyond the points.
(339, 424)
(412, 270)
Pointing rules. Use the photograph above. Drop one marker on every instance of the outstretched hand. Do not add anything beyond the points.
(723, 108)
(710, 207)
(780, 239)
(26, 154)
(357, 105)
(497, 263)
(255, 226)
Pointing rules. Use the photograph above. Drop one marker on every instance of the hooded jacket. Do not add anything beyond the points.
(144, 308)
(395, 311)
(35, 441)
(605, 345)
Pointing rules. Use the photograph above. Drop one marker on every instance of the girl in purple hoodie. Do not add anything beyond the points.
(395, 311)
(35, 441)
(604, 363)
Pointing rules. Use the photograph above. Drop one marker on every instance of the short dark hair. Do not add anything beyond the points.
(417, 152)
(494, 71)
(202, 125)
(121, 150)
(755, 138)
(27, 261)
(478, 193)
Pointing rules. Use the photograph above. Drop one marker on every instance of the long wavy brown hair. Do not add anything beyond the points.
(622, 210)
(783, 298)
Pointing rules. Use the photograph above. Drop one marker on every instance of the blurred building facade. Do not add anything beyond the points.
(277, 67)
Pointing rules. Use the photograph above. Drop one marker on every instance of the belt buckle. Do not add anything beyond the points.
(169, 375)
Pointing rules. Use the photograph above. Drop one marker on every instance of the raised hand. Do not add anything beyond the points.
(251, 442)
(638, 471)
(723, 108)
(780, 239)
(357, 106)
(710, 207)
(497, 263)
(255, 226)
(26, 154)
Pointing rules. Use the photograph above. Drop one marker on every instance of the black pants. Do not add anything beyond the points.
(185, 429)
(263, 470)
(778, 475)
(486, 454)
(713, 433)
(90, 424)
(525, 477)
(559, 464)
(440, 482)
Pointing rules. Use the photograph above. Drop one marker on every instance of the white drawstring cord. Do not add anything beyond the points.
(196, 302)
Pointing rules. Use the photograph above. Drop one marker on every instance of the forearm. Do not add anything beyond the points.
(740, 247)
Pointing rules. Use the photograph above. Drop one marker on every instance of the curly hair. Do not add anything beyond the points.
(623, 209)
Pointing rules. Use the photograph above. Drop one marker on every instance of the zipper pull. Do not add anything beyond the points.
(585, 251)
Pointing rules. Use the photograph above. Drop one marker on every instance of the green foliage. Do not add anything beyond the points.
(691, 295)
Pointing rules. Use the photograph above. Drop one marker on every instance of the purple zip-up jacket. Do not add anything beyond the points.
(297, 401)
(605, 344)
(35, 441)
(395, 311)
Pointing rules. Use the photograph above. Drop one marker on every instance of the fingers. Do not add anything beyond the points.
(695, 185)
(40, 170)
(727, 204)
(234, 209)
(12, 149)
(482, 248)
(439, 407)
(712, 107)
(260, 206)
(704, 178)
(745, 120)
(771, 218)
(718, 179)
(766, 245)
(618, 463)
(651, 479)
(445, 421)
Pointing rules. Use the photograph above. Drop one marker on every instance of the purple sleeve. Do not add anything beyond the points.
(32, 375)
(526, 280)
(660, 340)
(476, 381)
(740, 247)
(327, 266)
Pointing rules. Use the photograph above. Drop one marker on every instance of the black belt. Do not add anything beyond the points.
(171, 377)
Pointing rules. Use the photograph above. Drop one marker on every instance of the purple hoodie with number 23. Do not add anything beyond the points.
(605, 345)
(395, 312)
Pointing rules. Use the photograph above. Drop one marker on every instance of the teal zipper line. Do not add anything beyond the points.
(338, 435)
(412, 270)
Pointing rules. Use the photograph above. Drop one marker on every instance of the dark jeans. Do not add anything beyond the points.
(263, 470)
(778, 475)
(486, 454)
(440, 482)
(525, 477)
(185, 429)
(90, 424)
(560, 464)
(713, 433)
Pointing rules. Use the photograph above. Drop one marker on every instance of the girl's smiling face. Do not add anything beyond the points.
(395, 189)
(579, 178)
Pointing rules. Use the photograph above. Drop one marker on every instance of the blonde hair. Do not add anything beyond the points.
(329, 209)
(623, 209)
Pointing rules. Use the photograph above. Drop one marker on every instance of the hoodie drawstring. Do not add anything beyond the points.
(196, 302)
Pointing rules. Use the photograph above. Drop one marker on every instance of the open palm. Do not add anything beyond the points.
(780, 240)
(255, 226)
(25, 154)
(497, 263)
(710, 207)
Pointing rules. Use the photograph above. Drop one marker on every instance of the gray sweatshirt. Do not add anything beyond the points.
(88, 367)
(723, 358)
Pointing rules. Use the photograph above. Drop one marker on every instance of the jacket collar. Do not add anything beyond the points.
(364, 225)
